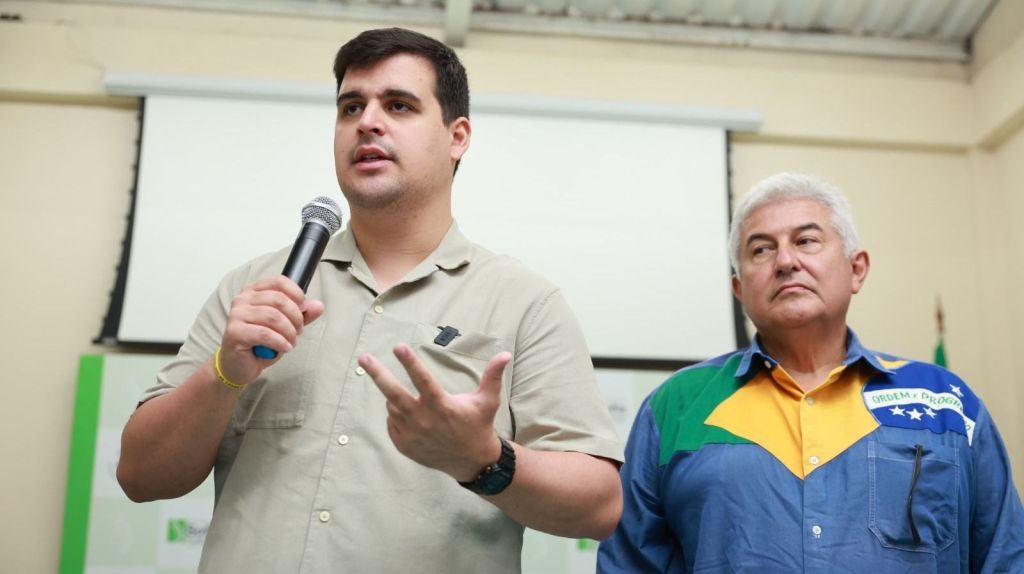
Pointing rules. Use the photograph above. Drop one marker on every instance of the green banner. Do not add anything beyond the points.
(80, 464)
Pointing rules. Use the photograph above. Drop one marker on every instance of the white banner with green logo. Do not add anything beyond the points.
(105, 533)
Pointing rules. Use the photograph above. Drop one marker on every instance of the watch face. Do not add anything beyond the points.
(494, 480)
(496, 477)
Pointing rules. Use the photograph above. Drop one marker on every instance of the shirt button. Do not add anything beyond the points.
(767, 364)
(814, 460)
(324, 516)
(810, 400)
(343, 439)
(360, 371)
(816, 531)
(378, 309)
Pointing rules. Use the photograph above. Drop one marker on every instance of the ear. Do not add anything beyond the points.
(737, 287)
(460, 131)
(860, 264)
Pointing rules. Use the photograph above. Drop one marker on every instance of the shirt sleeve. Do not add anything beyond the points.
(203, 337)
(997, 518)
(643, 541)
(554, 398)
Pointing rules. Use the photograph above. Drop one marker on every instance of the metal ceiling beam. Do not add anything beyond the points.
(842, 16)
(965, 18)
(759, 13)
(800, 15)
(836, 44)
(456, 21)
(945, 44)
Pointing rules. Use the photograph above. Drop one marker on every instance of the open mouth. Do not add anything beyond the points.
(370, 155)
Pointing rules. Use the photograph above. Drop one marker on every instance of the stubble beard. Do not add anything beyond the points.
(374, 199)
(391, 196)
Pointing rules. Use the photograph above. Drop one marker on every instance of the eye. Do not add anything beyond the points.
(351, 109)
(400, 107)
(759, 251)
(808, 242)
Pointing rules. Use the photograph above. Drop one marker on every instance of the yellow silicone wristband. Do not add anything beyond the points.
(220, 374)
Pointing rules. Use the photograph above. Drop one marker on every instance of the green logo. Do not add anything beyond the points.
(177, 530)
(585, 544)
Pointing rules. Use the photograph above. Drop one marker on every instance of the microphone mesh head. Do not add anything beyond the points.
(324, 211)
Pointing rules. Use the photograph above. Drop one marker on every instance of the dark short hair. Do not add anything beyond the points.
(373, 46)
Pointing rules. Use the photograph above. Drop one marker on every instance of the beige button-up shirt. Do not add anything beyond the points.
(307, 479)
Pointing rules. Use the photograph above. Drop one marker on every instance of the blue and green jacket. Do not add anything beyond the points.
(889, 466)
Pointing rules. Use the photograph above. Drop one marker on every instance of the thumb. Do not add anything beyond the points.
(490, 383)
(311, 310)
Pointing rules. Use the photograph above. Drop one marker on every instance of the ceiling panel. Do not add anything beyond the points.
(921, 29)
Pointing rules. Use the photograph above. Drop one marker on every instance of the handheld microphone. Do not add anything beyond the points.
(321, 217)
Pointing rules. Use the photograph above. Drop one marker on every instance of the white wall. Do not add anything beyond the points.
(932, 156)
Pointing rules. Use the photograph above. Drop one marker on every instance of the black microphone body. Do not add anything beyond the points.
(320, 219)
(309, 247)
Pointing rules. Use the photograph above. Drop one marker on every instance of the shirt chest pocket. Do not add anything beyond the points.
(914, 493)
(280, 396)
(459, 363)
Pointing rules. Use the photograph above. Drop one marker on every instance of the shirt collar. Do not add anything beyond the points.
(755, 356)
(454, 251)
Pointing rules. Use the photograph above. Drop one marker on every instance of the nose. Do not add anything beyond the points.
(371, 120)
(787, 259)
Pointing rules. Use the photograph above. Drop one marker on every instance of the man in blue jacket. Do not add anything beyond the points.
(808, 452)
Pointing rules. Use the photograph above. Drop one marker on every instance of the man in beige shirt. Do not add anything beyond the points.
(429, 398)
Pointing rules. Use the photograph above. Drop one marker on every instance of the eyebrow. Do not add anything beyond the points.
(389, 93)
(800, 228)
(808, 226)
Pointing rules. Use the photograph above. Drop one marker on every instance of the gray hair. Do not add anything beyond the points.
(789, 186)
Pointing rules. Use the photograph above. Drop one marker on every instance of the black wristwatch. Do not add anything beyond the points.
(497, 476)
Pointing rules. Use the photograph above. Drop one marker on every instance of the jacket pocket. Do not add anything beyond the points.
(933, 505)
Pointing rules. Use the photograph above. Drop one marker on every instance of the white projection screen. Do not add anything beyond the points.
(626, 211)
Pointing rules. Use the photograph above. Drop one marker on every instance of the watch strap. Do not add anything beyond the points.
(495, 477)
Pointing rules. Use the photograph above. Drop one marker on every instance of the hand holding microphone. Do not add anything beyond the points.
(321, 218)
